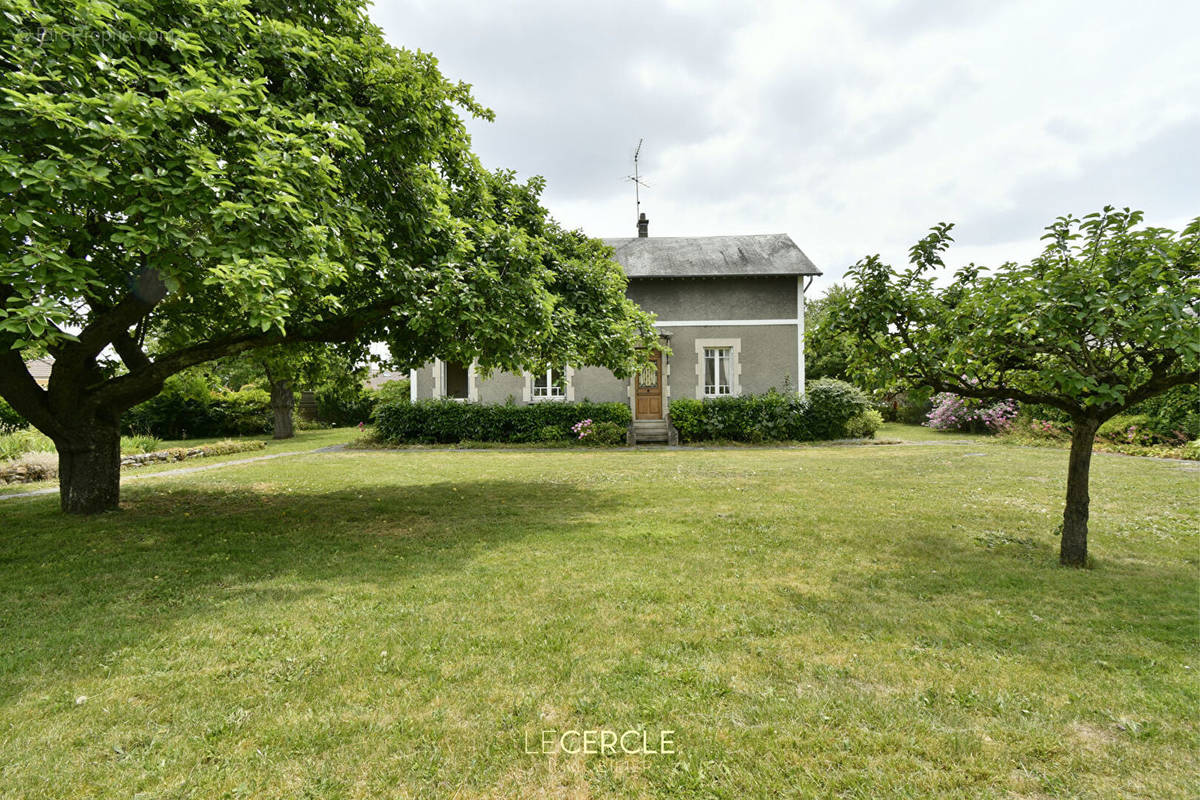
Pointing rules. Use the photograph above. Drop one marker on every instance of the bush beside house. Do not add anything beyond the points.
(830, 409)
(446, 421)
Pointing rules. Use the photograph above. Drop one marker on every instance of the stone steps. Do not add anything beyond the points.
(650, 431)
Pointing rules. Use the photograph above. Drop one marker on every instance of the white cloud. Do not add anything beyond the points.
(853, 126)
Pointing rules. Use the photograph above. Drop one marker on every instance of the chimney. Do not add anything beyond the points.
(643, 226)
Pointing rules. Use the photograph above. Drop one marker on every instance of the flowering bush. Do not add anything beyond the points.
(954, 413)
(1048, 429)
(582, 428)
(1139, 429)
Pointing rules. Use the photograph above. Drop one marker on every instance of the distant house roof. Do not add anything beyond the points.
(380, 378)
(711, 256)
(39, 369)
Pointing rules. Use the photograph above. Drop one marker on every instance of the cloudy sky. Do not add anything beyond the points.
(852, 126)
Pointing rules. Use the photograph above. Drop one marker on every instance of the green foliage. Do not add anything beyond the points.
(911, 406)
(185, 182)
(9, 418)
(1172, 412)
(549, 433)
(823, 413)
(1138, 429)
(830, 405)
(140, 444)
(449, 421)
(828, 348)
(393, 392)
(189, 406)
(864, 425)
(605, 434)
(1104, 318)
(17, 443)
(337, 405)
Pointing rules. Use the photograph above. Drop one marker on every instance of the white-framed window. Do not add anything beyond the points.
(718, 368)
(454, 381)
(548, 385)
(717, 364)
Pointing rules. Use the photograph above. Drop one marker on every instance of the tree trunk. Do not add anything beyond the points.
(89, 468)
(282, 402)
(1073, 548)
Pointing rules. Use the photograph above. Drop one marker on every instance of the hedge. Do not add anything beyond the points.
(191, 414)
(447, 421)
(830, 409)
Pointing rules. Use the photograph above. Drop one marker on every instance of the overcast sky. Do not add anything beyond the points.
(852, 125)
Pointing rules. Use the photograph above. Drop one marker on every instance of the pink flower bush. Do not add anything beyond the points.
(954, 413)
(582, 428)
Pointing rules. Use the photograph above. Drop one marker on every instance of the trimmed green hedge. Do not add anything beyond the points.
(825, 412)
(446, 421)
(175, 414)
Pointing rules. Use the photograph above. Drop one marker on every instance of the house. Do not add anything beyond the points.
(39, 370)
(730, 309)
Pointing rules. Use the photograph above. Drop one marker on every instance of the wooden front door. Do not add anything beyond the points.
(648, 400)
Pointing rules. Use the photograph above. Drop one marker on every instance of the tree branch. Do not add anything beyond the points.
(22, 392)
(129, 351)
(141, 384)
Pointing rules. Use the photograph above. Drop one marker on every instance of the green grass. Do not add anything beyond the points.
(303, 440)
(849, 621)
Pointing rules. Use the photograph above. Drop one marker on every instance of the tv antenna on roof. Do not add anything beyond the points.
(637, 180)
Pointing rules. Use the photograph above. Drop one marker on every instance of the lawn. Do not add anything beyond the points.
(303, 440)
(830, 621)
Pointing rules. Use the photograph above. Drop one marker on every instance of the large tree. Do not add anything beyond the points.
(827, 348)
(1103, 319)
(184, 181)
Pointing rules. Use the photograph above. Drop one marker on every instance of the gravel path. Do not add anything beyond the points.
(189, 470)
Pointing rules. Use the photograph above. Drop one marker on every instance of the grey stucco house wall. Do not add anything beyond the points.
(730, 310)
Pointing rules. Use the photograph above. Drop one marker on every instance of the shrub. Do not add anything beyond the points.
(823, 413)
(447, 421)
(548, 433)
(189, 407)
(1040, 428)
(911, 407)
(18, 443)
(831, 404)
(1174, 414)
(339, 405)
(140, 444)
(951, 412)
(391, 392)
(1139, 429)
(864, 425)
(605, 434)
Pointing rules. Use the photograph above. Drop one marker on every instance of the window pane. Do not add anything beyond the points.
(717, 363)
(550, 383)
(456, 381)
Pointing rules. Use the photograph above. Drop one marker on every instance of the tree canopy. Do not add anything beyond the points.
(185, 181)
(1103, 319)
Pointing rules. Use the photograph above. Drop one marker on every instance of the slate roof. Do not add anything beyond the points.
(711, 256)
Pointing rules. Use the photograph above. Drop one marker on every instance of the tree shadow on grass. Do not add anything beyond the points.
(75, 589)
(1005, 594)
